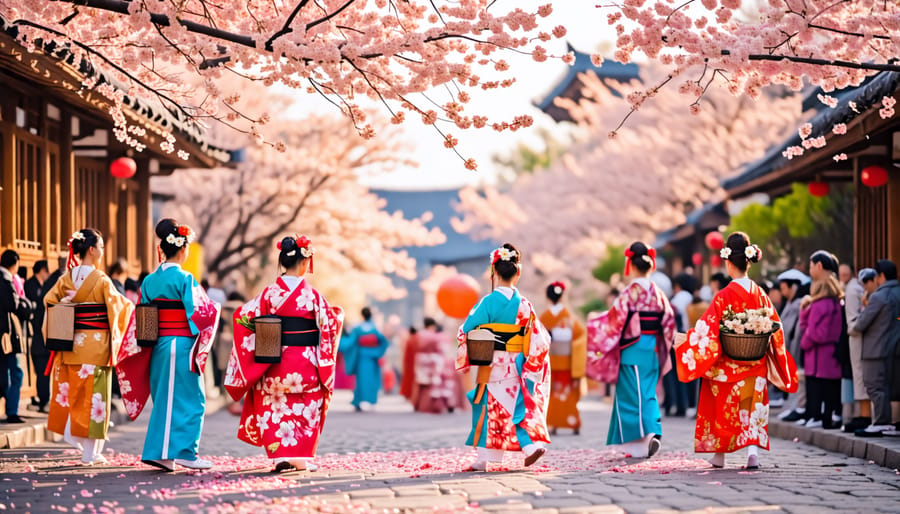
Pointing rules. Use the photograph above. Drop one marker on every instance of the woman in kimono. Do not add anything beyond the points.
(509, 402)
(171, 370)
(733, 408)
(363, 349)
(568, 358)
(285, 401)
(435, 388)
(642, 322)
(82, 377)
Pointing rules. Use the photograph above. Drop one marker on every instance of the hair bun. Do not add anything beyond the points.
(165, 227)
(287, 244)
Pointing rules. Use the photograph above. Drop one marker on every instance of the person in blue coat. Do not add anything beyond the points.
(362, 351)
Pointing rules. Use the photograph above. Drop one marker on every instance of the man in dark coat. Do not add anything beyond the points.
(13, 310)
(40, 356)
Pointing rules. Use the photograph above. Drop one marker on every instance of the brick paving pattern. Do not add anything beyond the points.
(394, 460)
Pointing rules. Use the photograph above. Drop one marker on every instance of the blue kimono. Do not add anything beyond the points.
(362, 350)
(176, 364)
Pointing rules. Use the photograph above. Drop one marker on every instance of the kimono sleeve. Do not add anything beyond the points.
(579, 349)
(330, 321)
(781, 368)
(538, 358)
(478, 316)
(243, 371)
(701, 350)
(667, 338)
(203, 318)
(350, 349)
(121, 319)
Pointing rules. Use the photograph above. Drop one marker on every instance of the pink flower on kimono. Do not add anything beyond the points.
(131, 408)
(63, 397)
(293, 382)
(79, 339)
(263, 421)
(249, 342)
(700, 336)
(760, 385)
(124, 386)
(86, 371)
(688, 358)
(98, 408)
(286, 434)
(306, 300)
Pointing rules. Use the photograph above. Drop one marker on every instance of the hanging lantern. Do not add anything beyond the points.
(818, 189)
(715, 261)
(874, 176)
(457, 295)
(123, 167)
(697, 258)
(715, 240)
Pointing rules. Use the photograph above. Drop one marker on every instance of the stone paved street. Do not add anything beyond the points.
(391, 461)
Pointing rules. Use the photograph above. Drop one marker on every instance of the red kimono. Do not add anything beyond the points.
(285, 403)
(733, 408)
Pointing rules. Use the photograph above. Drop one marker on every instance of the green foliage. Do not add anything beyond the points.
(593, 305)
(527, 159)
(794, 225)
(612, 264)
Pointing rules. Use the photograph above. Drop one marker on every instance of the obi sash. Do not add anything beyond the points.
(91, 316)
(368, 341)
(172, 318)
(296, 331)
(651, 323)
(508, 337)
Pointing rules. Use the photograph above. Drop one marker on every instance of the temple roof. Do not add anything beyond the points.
(569, 86)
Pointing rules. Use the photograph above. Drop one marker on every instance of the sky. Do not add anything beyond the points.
(440, 168)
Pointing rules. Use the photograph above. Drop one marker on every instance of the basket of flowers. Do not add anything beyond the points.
(745, 335)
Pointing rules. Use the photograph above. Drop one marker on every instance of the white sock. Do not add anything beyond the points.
(489, 455)
(752, 451)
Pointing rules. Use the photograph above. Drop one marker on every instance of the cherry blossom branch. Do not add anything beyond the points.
(286, 28)
(822, 62)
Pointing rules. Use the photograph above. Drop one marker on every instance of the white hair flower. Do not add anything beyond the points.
(307, 252)
(170, 239)
(503, 254)
(647, 259)
(77, 235)
(557, 290)
(725, 252)
(291, 253)
(179, 241)
(750, 252)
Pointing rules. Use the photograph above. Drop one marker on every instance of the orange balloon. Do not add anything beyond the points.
(457, 295)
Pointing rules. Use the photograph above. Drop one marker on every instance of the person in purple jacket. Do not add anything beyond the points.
(820, 321)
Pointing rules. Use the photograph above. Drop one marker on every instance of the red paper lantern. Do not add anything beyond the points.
(697, 259)
(457, 295)
(123, 167)
(874, 176)
(715, 261)
(818, 189)
(715, 240)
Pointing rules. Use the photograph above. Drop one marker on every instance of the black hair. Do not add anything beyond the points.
(508, 269)
(552, 295)
(366, 313)
(90, 238)
(141, 277)
(686, 282)
(117, 267)
(721, 278)
(828, 260)
(290, 253)
(165, 228)
(9, 259)
(429, 322)
(234, 295)
(638, 252)
(131, 285)
(40, 266)
(412, 330)
(765, 285)
(738, 242)
(887, 268)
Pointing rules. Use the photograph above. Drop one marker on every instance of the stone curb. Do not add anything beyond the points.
(884, 451)
(35, 433)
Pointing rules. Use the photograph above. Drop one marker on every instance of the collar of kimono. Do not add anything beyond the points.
(506, 291)
(291, 294)
(556, 308)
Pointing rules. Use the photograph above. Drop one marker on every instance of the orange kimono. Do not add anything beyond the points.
(733, 408)
(568, 358)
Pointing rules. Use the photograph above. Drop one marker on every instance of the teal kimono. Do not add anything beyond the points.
(363, 348)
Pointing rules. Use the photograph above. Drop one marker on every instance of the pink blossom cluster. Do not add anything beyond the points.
(385, 51)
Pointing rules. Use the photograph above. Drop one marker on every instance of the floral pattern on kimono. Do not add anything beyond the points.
(285, 403)
(733, 407)
(507, 388)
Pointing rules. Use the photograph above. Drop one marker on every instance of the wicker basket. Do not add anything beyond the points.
(480, 347)
(146, 325)
(268, 339)
(60, 327)
(745, 347)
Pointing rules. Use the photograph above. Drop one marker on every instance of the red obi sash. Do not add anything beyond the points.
(368, 340)
(651, 323)
(172, 318)
(91, 316)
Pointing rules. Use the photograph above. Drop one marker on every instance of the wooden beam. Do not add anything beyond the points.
(9, 220)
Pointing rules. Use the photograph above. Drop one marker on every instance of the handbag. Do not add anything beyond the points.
(11, 342)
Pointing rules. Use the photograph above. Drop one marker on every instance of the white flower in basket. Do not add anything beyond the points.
(745, 335)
